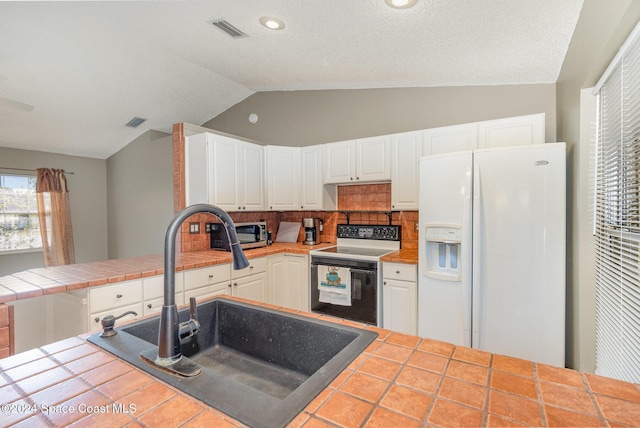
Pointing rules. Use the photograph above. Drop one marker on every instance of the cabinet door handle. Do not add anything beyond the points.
(118, 296)
(210, 276)
(301, 206)
(351, 178)
(357, 178)
(235, 284)
(229, 285)
(398, 272)
(384, 282)
(250, 266)
(96, 319)
(149, 306)
(239, 208)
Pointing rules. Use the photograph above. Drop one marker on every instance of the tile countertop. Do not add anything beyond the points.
(409, 256)
(37, 282)
(399, 380)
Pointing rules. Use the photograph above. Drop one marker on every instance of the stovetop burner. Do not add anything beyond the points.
(357, 251)
(364, 242)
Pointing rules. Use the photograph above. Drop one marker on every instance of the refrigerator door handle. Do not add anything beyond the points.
(477, 239)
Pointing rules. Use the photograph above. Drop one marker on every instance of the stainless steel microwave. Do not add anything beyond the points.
(250, 235)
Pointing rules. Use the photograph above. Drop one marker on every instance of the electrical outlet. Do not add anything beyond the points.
(194, 227)
(417, 226)
(207, 228)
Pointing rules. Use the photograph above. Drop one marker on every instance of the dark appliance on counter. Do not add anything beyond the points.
(312, 226)
(355, 263)
(250, 235)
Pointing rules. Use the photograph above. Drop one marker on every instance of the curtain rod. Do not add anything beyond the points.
(30, 170)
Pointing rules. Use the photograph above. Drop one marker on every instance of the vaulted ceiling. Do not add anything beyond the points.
(72, 74)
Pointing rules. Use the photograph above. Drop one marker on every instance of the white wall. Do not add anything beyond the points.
(601, 29)
(88, 196)
(140, 195)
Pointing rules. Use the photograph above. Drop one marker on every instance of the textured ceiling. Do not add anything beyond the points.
(87, 68)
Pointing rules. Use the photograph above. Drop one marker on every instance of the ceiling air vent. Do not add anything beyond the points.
(228, 29)
(135, 122)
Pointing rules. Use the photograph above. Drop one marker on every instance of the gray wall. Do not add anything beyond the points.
(602, 28)
(88, 195)
(302, 118)
(140, 195)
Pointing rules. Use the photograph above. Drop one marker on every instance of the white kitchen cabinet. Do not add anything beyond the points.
(251, 282)
(206, 282)
(283, 178)
(252, 194)
(400, 297)
(362, 160)
(153, 292)
(405, 161)
(512, 131)
(114, 299)
(447, 139)
(311, 183)
(224, 171)
(373, 158)
(289, 281)
(340, 162)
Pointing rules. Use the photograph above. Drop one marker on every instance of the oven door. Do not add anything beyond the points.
(364, 290)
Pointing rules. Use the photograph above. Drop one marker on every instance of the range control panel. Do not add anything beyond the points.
(368, 231)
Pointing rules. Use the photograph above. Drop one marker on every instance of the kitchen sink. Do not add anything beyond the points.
(260, 366)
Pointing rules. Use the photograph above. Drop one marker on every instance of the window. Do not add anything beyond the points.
(19, 225)
(617, 221)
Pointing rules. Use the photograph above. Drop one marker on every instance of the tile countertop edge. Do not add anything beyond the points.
(58, 279)
(399, 380)
(407, 256)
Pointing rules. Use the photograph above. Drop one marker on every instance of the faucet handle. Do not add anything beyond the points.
(109, 321)
(193, 309)
(191, 327)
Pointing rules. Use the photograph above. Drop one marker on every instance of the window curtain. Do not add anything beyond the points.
(54, 213)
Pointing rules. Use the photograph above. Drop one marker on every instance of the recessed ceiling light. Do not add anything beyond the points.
(401, 4)
(272, 23)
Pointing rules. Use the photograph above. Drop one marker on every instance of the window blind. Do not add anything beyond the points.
(617, 217)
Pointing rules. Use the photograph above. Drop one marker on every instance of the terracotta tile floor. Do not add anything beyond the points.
(399, 381)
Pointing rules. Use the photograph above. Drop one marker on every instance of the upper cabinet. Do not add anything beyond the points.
(240, 176)
(311, 184)
(224, 171)
(448, 139)
(507, 132)
(283, 178)
(251, 177)
(361, 160)
(405, 152)
(511, 131)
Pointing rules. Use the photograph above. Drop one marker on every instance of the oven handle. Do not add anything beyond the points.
(365, 271)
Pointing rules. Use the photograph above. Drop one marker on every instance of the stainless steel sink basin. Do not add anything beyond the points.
(260, 366)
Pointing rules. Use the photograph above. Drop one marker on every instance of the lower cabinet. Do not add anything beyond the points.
(207, 282)
(153, 293)
(114, 299)
(289, 281)
(251, 282)
(400, 297)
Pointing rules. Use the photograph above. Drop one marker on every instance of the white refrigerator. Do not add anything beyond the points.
(492, 250)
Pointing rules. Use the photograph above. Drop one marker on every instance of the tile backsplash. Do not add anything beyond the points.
(362, 197)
